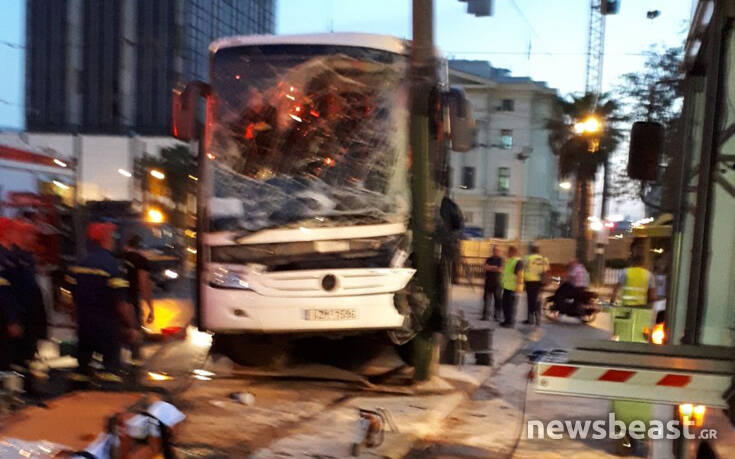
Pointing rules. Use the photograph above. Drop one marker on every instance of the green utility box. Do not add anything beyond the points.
(628, 324)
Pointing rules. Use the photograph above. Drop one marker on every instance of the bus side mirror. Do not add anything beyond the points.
(184, 109)
(461, 121)
(646, 146)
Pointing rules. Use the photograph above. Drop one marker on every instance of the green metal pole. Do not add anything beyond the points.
(423, 76)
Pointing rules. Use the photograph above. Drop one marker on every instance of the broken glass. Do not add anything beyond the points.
(307, 135)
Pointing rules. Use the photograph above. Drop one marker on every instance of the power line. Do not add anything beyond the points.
(530, 26)
(549, 53)
(10, 44)
(525, 19)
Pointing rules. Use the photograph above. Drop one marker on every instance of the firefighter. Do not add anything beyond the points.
(100, 292)
(28, 292)
(512, 279)
(138, 277)
(638, 284)
(10, 313)
(536, 269)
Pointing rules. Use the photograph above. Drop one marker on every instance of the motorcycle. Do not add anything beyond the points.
(563, 302)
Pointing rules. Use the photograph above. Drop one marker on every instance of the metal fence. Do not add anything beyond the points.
(611, 276)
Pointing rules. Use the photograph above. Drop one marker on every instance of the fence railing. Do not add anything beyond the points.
(611, 276)
(471, 270)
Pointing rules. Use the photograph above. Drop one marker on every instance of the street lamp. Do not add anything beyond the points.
(154, 215)
(589, 125)
(155, 173)
(566, 185)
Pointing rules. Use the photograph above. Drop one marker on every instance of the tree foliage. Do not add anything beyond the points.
(575, 159)
(655, 93)
(178, 164)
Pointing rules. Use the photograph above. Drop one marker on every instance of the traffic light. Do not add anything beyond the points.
(646, 145)
(609, 6)
(479, 7)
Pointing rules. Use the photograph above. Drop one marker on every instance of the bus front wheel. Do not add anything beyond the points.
(254, 350)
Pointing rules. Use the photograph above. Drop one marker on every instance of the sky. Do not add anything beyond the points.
(555, 32)
(12, 56)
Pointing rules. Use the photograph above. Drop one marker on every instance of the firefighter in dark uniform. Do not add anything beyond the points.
(28, 292)
(99, 292)
(10, 312)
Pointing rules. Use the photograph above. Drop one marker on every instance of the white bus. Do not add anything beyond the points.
(304, 194)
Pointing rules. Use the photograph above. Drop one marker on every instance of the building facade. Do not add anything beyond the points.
(108, 67)
(508, 185)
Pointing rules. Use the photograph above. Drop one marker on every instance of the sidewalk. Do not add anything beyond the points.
(468, 301)
(332, 433)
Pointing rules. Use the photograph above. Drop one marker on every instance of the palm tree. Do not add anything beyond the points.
(577, 157)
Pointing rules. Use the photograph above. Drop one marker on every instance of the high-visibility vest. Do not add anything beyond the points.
(536, 266)
(509, 276)
(635, 289)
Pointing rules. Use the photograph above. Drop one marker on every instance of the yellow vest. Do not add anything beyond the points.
(635, 289)
(509, 276)
(536, 266)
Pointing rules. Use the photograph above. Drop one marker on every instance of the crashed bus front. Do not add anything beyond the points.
(305, 185)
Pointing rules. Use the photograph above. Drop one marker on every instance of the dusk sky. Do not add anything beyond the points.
(555, 30)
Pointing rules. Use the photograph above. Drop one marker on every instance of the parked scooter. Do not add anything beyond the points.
(563, 301)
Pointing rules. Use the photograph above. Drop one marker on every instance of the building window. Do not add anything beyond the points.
(508, 105)
(468, 178)
(501, 225)
(504, 179)
(506, 139)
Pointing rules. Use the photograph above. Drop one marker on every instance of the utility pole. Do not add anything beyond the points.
(423, 74)
(80, 240)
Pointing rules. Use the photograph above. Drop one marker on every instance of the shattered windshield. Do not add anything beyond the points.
(304, 132)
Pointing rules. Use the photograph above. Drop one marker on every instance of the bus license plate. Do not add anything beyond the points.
(330, 314)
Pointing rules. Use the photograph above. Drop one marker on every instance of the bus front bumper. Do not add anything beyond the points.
(295, 302)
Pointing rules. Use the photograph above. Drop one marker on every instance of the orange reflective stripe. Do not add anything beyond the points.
(86, 270)
(118, 282)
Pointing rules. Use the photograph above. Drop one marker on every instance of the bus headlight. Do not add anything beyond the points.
(229, 278)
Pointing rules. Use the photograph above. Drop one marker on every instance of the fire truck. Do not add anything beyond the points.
(690, 375)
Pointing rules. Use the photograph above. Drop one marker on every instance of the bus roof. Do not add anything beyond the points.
(358, 40)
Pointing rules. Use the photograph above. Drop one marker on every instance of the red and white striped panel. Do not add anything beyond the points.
(654, 386)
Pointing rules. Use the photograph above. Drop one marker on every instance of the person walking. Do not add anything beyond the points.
(492, 285)
(138, 276)
(536, 270)
(100, 293)
(512, 279)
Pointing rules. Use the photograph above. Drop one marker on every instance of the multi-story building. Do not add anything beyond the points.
(508, 185)
(108, 67)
